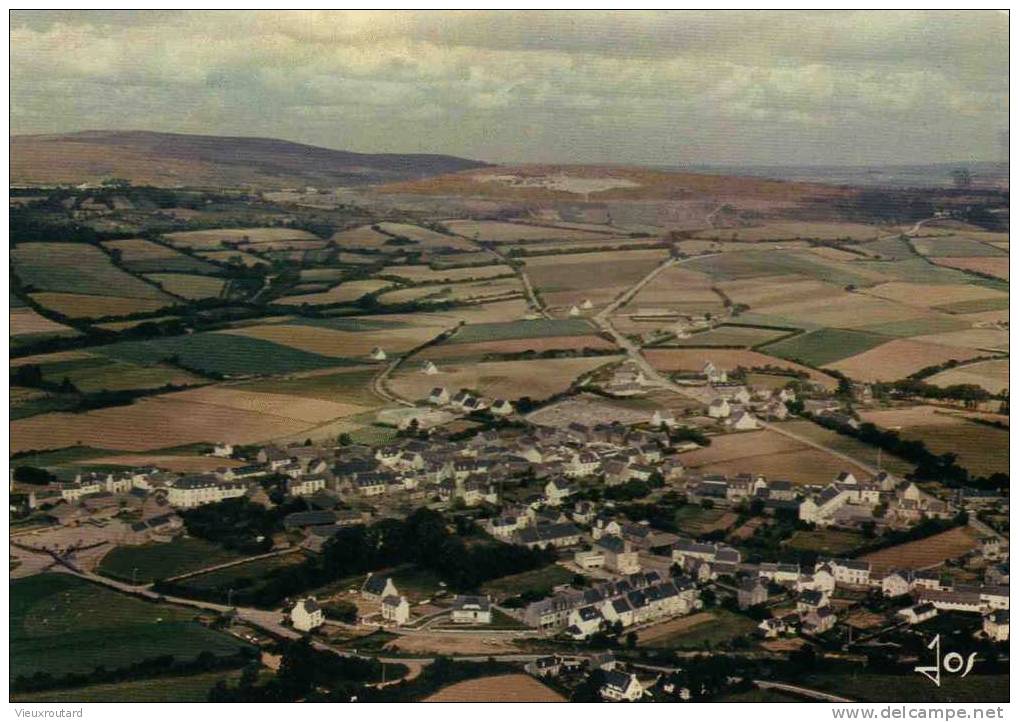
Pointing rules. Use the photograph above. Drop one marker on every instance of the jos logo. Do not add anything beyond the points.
(953, 663)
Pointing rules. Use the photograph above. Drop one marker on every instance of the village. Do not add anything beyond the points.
(565, 489)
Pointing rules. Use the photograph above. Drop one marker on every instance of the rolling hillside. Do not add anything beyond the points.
(169, 159)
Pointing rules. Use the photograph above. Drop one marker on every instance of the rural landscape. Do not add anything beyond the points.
(290, 423)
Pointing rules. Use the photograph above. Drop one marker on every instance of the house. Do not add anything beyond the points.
(557, 491)
(429, 368)
(544, 536)
(584, 622)
(439, 396)
(395, 609)
(713, 374)
(377, 587)
(378, 354)
(719, 409)
(621, 686)
(996, 625)
(191, 491)
(306, 615)
(544, 666)
(819, 621)
(306, 486)
(918, 613)
(471, 610)
(502, 407)
(751, 592)
(742, 421)
(223, 450)
(619, 556)
(775, 626)
(810, 600)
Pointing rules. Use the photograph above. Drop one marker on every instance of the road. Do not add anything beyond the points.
(804, 691)
(235, 562)
(525, 280)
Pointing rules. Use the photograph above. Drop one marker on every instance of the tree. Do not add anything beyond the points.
(33, 475)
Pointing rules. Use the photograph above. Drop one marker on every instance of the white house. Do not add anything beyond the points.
(743, 421)
(471, 610)
(429, 368)
(306, 615)
(502, 407)
(996, 625)
(620, 686)
(378, 354)
(378, 587)
(719, 409)
(918, 613)
(557, 491)
(395, 609)
(223, 450)
(439, 396)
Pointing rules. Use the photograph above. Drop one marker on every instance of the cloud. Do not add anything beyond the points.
(622, 86)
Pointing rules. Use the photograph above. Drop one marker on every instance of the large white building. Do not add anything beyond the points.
(191, 491)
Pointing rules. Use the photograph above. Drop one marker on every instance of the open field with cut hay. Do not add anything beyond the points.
(997, 267)
(469, 292)
(924, 553)
(426, 274)
(731, 335)
(980, 448)
(991, 339)
(693, 360)
(989, 375)
(302, 409)
(141, 256)
(898, 359)
(777, 290)
(24, 321)
(676, 286)
(503, 688)
(221, 237)
(503, 232)
(927, 296)
(846, 445)
(77, 305)
(761, 264)
(337, 343)
(153, 423)
(769, 453)
(942, 246)
(189, 286)
(343, 293)
(77, 268)
(538, 379)
(847, 310)
(364, 237)
(427, 238)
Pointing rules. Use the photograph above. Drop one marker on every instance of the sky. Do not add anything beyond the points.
(655, 87)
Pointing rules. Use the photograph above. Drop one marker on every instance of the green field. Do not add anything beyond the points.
(824, 346)
(537, 580)
(847, 445)
(916, 326)
(981, 449)
(726, 625)
(913, 270)
(189, 286)
(977, 305)
(347, 386)
(955, 246)
(98, 373)
(911, 687)
(159, 561)
(241, 576)
(221, 354)
(539, 328)
(726, 335)
(191, 688)
(892, 249)
(77, 268)
(731, 266)
(825, 541)
(61, 624)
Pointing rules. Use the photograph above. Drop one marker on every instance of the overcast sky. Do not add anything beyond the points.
(644, 87)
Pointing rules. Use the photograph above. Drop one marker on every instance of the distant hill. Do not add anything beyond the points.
(170, 159)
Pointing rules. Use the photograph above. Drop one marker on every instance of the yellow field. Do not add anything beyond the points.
(362, 237)
(676, 286)
(78, 305)
(498, 379)
(924, 553)
(296, 408)
(343, 293)
(993, 266)
(847, 310)
(424, 274)
(899, 358)
(925, 295)
(215, 237)
(974, 338)
(777, 290)
(504, 688)
(990, 375)
(26, 321)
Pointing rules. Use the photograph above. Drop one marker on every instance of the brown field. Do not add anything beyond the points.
(138, 249)
(341, 344)
(121, 325)
(152, 423)
(426, 237)
(925, 295)
(477, 350)
(990, 375)
(906, 416)
(863, 619)
(471, 291)
(899, 358)
(498, 379)
(363, 237)
(295, 408)
(48, 358)
(500, 231)
(676, 359)
(924, 553)
(794, 230)
(213, 238)
(343, 293)
(673, 627)
(452, 644)
(769, 453)
(297, 244)
(425, 274)
(995, 339)
(189, 286)
(26, 321)
(776, 290)
(170, 462)
(503, 688)
(566, 280)
(992, 265)
(676, 286)
(78, 305)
